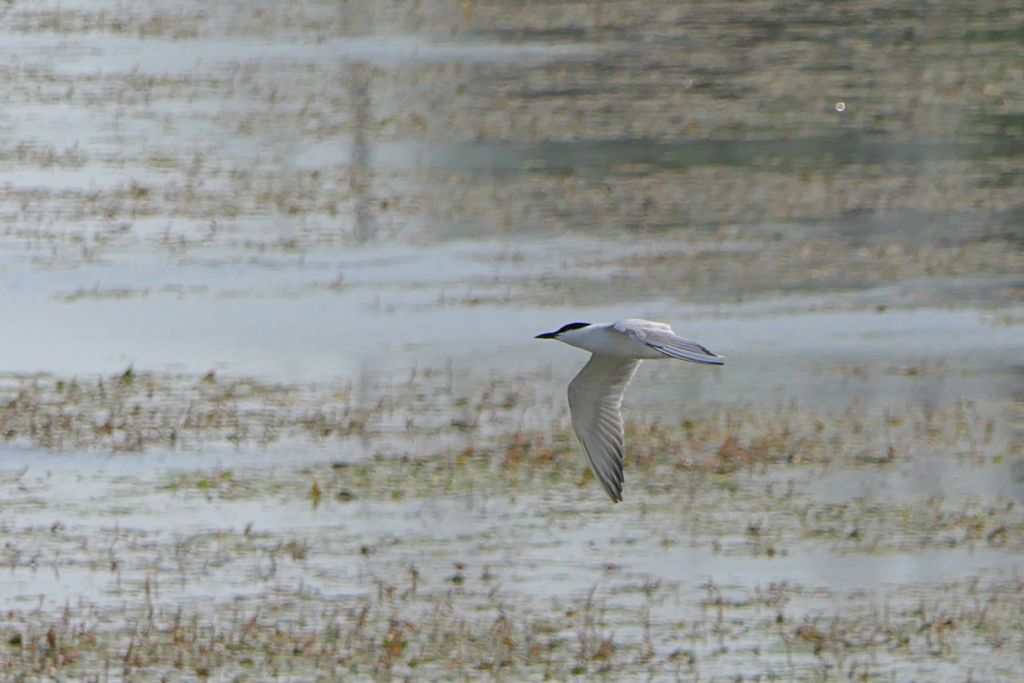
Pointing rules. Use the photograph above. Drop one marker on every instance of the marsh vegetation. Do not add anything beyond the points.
(269, 407)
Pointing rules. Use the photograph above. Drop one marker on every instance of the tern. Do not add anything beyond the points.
(595, 394)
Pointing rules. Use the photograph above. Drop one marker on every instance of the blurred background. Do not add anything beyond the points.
(269, 278)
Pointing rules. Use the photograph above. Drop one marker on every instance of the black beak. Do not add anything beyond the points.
(547, 335)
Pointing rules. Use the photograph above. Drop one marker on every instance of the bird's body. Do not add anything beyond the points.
(595, 394)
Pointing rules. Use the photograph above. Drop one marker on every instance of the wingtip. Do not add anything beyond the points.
(614, 492)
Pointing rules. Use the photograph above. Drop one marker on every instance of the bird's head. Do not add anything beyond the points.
(562, 330)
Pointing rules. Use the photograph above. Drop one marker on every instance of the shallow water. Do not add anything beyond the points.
(358, 220)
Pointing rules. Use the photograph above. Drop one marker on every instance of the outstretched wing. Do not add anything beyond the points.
(662, 339)
(595, 396)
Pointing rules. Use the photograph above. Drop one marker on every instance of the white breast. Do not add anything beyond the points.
(605, 340)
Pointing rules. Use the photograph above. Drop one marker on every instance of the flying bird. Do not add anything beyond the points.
(595, 394)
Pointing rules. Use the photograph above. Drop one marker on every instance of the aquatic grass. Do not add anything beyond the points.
(735, 455)
(133, 411)
(770, 495)
(447, 617)
(920, 155)
(297, 636)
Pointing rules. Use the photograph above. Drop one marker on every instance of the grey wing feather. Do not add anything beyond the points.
(595, 398)
(671, 344)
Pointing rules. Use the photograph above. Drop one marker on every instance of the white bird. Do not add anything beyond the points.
(595, 394)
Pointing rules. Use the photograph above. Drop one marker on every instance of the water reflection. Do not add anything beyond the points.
(598, 157)
(360, 166)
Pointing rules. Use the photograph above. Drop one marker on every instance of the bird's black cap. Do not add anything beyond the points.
(563, 328)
